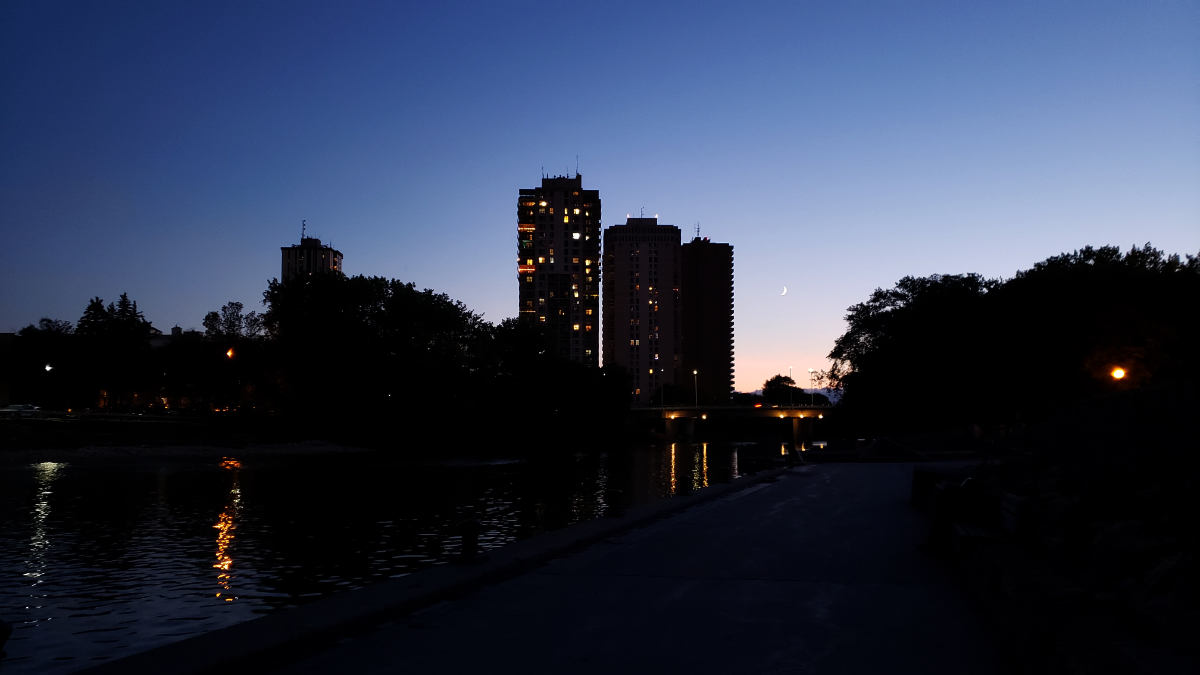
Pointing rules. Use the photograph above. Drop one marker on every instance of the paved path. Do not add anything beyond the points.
(817, 573)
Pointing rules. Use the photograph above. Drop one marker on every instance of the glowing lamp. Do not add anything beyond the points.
(229, 353)
(1118, 373)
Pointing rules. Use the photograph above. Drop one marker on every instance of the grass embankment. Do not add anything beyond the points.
(1104, 575)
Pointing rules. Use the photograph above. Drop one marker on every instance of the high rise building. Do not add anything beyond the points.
(641, 304)
(558, 264)
(308, 257)
(706, 295)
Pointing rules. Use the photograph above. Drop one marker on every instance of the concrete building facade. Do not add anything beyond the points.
(307, 257)
(641, 304)
(706, 296)
(558, 264)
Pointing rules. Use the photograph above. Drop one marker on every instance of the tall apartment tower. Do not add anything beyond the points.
(706, 293)
(308, 257)
(641, 304)
(558, 264)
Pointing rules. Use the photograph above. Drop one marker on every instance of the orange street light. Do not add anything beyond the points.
(229, 353)
(1118, 373)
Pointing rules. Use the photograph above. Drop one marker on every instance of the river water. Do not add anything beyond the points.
(100, 559)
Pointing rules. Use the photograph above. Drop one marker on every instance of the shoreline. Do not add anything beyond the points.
(118, 453)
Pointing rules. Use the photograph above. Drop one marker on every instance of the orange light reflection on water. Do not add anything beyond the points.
(672, 468)
(226, 524)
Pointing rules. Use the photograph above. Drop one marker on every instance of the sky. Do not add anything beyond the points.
(168, 150)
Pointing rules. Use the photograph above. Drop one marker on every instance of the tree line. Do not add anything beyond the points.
(329, 351)
(939, 350)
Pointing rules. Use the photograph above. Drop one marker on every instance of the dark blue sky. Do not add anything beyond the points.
(169, 152)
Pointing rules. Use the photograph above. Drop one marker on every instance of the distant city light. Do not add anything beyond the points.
(49, 367)
(1118, 373)
(229, 353)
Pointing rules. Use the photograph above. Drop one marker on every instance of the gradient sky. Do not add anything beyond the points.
(170, 151)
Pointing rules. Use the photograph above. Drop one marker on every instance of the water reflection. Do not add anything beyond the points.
(39, 540)
(126, 558)
(673, 484)
(226, 524)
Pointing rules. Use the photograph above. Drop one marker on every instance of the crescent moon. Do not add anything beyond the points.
(784, 291)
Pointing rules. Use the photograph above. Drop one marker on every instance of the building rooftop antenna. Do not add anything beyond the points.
(642, 213)
(303, 226)
(697, 229)
(577, 166)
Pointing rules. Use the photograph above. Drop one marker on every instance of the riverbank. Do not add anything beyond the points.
(97, 454)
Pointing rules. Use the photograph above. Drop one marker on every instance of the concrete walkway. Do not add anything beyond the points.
(816, 573)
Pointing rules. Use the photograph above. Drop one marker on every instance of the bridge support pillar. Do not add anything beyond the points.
(802, 431)
(681, 428)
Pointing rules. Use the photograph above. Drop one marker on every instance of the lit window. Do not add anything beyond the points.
(542, 301)
(589, 327)
(588, 312)
(651, 371)
(587, 262)
(575, 260)
(541, 260)
(576, 213)
(566, 219)
(551, 251)
(530, 261)
(574, 235)
(576, 327)
(551, 259)
(577, 294)
(541, 203)
(529, 279)
(631, 343)
(541, 318)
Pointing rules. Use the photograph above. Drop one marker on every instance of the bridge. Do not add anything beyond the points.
(795, 423)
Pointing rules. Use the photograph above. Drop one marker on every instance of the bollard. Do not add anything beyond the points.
(469, 529)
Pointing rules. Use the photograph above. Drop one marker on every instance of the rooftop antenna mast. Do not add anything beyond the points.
(577, 166)
(303, 226)
(697, 229)
(642, 213)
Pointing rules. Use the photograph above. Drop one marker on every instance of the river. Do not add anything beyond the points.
(104, 558)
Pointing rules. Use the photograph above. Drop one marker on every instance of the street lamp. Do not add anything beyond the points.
(696, 387)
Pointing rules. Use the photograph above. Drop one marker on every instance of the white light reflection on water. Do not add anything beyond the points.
(39, 541)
